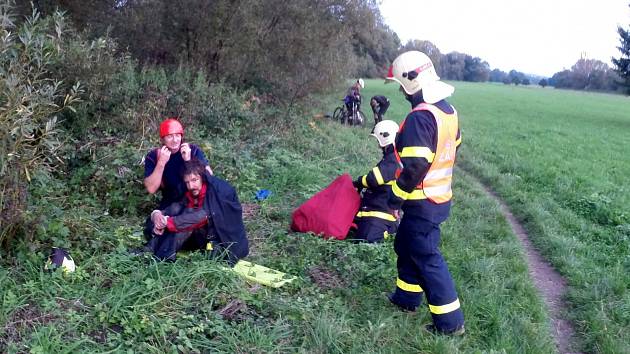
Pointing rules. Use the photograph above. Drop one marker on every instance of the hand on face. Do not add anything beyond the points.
(185, 150)
(164, 154)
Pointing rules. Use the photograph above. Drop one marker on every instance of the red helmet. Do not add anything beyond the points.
(171, 126)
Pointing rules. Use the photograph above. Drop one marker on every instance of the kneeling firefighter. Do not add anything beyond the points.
(375, 221)
(426, 145)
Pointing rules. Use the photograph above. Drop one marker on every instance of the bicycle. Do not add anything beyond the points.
(345, 117)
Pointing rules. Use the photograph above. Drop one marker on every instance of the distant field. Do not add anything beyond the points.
(560, 160)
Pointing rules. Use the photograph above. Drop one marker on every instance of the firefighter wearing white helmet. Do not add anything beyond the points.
(60, 259)
(375, 221)
(385, 132)
(426, 145)
(415, 72)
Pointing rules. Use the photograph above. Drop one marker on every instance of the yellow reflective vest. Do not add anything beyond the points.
(436, 185)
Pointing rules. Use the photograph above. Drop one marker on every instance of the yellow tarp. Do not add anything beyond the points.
(261, 274)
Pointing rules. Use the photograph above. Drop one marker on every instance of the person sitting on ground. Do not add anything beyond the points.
(163, 166)
(209, 217)
(375, 221)
(379, 105)
(354, 95)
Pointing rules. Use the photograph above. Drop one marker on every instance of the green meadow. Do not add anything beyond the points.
(555, 157)
(559, 160)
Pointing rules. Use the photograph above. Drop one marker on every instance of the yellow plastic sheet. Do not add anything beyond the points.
(261, 274)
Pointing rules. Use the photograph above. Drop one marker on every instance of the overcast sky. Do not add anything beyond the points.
(535, 37)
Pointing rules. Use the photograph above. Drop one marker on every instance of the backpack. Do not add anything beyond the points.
(330, 212)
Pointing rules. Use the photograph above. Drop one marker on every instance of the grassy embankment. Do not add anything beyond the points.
(116, 302)
(559, 159)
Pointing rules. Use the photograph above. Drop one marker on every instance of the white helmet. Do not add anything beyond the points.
(60, 258)
(414, 71)
(385, 132)
(361, 83)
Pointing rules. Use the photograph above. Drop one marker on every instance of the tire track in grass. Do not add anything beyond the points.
(551, 285)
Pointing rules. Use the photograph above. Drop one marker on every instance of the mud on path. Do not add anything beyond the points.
(551, 285)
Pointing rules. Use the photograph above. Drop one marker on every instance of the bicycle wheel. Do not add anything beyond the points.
(360, 118)
(337, 115)
(344, 117)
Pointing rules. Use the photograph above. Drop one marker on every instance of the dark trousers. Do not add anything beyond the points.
(166, 246)
(373, 229)
(349, 100)
(421, 268)
(379, 110)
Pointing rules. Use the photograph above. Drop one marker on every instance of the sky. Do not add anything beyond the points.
(538, 37)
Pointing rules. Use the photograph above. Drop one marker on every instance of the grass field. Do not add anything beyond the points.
(556, 157)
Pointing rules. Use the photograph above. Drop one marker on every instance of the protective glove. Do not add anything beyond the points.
(358, 185)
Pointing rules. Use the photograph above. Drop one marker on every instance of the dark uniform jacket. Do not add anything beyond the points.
(419, 130)
(381, 100)
(172, 186)
(221, 211)
(376, 182)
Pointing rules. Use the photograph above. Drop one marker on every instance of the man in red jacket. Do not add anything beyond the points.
(208, 217)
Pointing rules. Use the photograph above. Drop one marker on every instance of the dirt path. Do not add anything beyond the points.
(549, 283)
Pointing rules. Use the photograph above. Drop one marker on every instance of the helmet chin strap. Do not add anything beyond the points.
(414, 99)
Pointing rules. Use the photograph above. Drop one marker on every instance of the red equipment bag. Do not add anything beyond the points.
(329, 212)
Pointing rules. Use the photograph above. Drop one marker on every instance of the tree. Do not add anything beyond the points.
(585, 74)
(374, 44)
(622, 64)
(426, 47)
(497, 75)
(543, 82)
(287, 48)
(453, 66)
(475, 69)
(516, 77)
(561, 79)
(32, 100)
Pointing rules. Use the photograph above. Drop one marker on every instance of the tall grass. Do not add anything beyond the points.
(116, 302)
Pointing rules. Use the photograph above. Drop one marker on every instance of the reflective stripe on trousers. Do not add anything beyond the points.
(420, 262)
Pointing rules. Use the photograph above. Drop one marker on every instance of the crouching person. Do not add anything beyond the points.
(375, 220)
(209, 217)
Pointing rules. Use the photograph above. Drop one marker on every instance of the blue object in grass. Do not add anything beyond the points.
(263, 194)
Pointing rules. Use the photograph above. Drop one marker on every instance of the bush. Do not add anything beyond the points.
(31, 98)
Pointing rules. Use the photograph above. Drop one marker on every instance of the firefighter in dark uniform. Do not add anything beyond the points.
(425, 145)
(375, 221)
(379, 105)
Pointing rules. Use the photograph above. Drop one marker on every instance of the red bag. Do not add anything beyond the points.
(329, 212)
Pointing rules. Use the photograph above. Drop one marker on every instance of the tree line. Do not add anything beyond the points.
(288, 48)
(292, 48)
